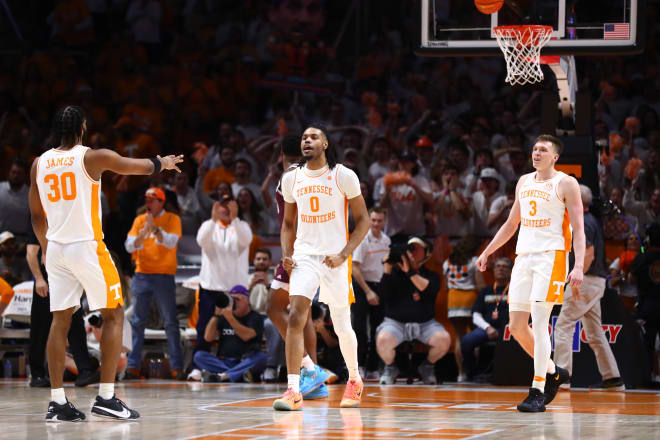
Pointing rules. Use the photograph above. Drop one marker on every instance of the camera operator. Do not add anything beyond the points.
(584, 305)
(408, 292)
(240, 330)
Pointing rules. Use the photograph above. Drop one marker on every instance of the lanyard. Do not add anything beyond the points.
(504, 292)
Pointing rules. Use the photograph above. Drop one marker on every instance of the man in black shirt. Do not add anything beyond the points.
(584, 305)
(490, 314)
(240, 331)
(408, 291)
(645, 271)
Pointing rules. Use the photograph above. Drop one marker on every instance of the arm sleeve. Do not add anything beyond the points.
(434, 283)
(129, 244)
(479, 321)
(287, 185)
(348, 182)
(205, 234)
(243, 232)
(172, 236)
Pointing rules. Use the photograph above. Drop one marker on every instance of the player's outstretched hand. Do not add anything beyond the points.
(333, 261)
(169, 162)
(575, 278)
(288, 263)
(482, 262)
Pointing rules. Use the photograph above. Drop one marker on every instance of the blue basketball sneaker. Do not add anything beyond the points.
(318, 393)
(311, 379)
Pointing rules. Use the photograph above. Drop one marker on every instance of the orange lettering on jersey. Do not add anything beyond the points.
(314, 189)
(535, 193)
(317, 218)
(59, 162)
(535, 223)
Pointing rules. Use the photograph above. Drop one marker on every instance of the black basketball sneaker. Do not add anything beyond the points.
(552, 383)
(533, 402)
(63, 413)
(113, 409)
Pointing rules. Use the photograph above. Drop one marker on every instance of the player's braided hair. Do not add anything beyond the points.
(68, 124)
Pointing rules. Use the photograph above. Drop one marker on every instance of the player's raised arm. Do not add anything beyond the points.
(570, 189)
(98, 161)
(505, 232)
(37, 216)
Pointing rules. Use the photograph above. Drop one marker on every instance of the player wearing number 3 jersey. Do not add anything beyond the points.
(547, 205)
(65, 204)
(318, 194)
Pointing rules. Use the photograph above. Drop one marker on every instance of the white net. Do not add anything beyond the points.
(521, 46)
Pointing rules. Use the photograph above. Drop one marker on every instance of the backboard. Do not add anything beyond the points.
(580, 27)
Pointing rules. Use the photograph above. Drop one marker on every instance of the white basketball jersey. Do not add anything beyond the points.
(70, 197)
(544, 222)
(322, 211)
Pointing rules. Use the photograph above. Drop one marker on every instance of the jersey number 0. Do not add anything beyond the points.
(61, 187)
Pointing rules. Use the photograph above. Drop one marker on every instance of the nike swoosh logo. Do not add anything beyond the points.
(124, 414)
(557, 377)
(296, 401)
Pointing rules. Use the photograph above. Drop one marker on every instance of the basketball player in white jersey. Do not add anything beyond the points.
(547, 205)
(65, 204)
(318, 194)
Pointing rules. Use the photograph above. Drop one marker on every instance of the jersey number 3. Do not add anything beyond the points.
(533, 205)
(61, 187)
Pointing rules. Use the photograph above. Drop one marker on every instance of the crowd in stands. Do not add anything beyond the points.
(438, 145)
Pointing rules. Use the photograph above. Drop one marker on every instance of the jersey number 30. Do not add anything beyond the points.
(61, 187)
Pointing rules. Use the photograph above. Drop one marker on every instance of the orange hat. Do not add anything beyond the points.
(424, 141)
(155, 193)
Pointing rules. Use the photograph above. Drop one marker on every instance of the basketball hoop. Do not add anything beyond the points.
(521, 45)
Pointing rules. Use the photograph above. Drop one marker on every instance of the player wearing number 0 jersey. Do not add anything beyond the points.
(548, 207)
(65, 205)
(318, 194)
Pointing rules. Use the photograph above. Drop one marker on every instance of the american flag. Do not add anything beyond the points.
(616, 31)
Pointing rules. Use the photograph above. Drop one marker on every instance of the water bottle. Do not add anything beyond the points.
(8, 368)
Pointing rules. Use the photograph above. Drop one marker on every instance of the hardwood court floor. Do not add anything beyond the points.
(194, 411)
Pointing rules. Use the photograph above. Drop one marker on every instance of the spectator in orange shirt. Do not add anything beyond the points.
(153, 241)
(72, 22)
(223, 173)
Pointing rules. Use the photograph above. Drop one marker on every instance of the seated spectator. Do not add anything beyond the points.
(408, 292)
(239, 330)
(620, 272)
(13, 267)
(490, 314)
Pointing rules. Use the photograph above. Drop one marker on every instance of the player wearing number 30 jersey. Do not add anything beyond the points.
(65, 205)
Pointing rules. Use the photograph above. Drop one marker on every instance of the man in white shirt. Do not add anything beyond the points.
(367, 273)
(225, 241)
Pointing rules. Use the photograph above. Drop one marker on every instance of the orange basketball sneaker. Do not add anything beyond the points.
(290, 401)
(352, 394)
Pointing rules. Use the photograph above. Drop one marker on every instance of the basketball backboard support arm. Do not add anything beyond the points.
(564, 71)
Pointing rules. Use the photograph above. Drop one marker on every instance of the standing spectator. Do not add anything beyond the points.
(40, 321)
(403, 195)
(483, 199)
(12, 268)
(189, 209)
(463, 280)
(452, 208)
(367, 273)
(381, 152)
(615, 227)
(243, 176)
(645, 212)
(224, 172)
(490, 314)
(225, 240)
(240, 330)
(153, 241)
(501, 207)
(584, 305)
(15, 212)
(409, 291)
(645, 268)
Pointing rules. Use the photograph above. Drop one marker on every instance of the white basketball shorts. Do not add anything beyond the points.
(83, 265)
(309, 273)
(537, 276)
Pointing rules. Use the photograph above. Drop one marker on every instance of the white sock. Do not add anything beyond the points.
(540, 312)
(551, 367)
(57, 396)
(106, 390)
(341, 321)
(294, 382)
(308, 363)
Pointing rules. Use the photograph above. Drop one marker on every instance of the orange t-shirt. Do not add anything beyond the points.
(215, 176)
(155, 258)
(6, 292)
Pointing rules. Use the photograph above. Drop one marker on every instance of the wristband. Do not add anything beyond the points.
(411, 273)
(157, 165)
